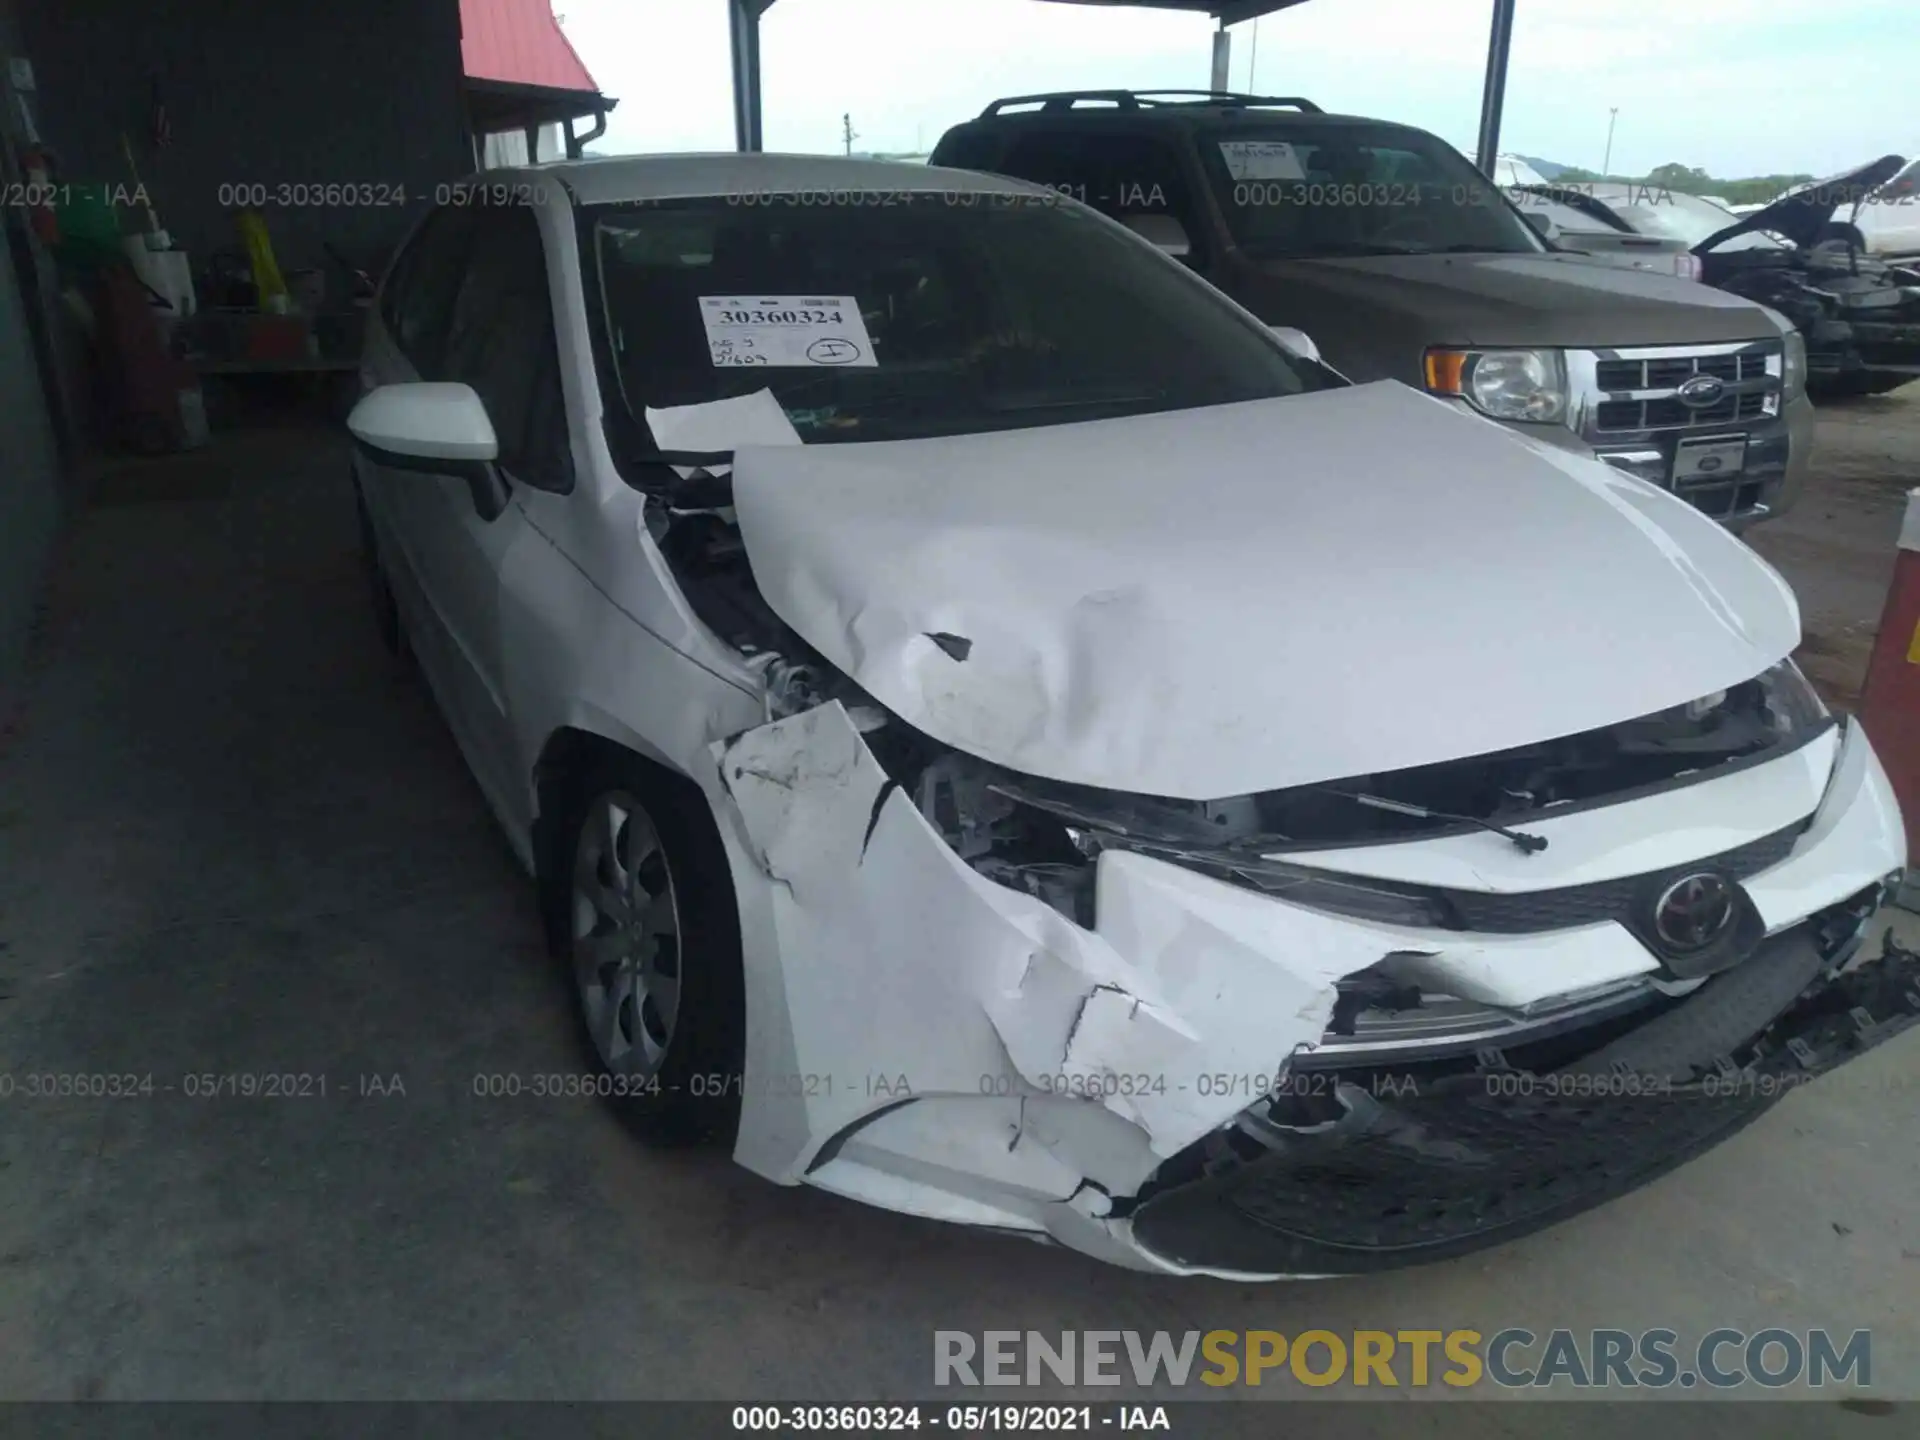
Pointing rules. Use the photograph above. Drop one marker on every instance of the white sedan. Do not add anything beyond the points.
(1000, 735)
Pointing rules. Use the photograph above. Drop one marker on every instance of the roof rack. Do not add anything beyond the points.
(1146, 99)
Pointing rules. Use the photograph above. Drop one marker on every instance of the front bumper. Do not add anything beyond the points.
(1778, 458)
(924, 1039)
(1419, 1171)
(1840, 350)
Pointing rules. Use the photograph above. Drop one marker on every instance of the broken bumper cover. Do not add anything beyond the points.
(1490, 1156)
(927, 1040)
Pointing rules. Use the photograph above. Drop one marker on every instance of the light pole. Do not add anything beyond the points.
(1253, 59)
(1613, 114)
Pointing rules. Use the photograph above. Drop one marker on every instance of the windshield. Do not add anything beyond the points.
(919, 314)
(1318, 191)
(1565, 219)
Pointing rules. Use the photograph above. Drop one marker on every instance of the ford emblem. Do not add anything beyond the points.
(1699, 391)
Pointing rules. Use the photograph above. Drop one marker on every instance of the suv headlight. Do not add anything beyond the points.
(1793, 368)
(1506, 384)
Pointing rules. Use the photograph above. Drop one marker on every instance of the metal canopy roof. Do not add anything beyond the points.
(744, 23)
(1227, 12)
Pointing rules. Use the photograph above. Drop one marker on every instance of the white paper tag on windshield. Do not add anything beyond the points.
(817, 331)
(1261, 160)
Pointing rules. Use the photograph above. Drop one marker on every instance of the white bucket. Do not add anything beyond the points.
(167, 272)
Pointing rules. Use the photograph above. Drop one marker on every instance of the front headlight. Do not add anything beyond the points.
(1791, 704)
(1315, 889)
(1505, 384)
(1793, 369)
(1177, 832)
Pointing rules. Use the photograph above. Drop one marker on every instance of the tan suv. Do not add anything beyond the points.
(1404, 262)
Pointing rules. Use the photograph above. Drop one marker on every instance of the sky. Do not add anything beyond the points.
(1734, 87)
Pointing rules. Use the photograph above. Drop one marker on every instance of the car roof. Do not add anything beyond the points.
(1186, 116)
(611, 179)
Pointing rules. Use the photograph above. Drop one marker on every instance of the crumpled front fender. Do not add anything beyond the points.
(904, 973)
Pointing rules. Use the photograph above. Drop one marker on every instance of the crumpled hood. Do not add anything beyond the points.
(1211, 602)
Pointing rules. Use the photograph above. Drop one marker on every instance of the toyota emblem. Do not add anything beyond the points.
(1693, 912)
(1700, 391)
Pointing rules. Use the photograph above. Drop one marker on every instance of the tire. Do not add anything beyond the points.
(640, 910)
(386, 610)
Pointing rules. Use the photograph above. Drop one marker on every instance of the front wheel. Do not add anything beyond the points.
(644, 918)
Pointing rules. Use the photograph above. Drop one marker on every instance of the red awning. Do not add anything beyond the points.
(518, 42)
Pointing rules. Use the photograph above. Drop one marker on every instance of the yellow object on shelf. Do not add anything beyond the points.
(267, 280)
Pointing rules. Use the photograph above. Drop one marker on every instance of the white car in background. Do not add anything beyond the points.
(1000, 735)
(1574, 218)
(1858, 315)
(1883, 222)
(1887, 222)
(1511, 170)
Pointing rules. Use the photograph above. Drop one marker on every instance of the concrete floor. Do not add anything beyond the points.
(1836, 545)
(235, 838)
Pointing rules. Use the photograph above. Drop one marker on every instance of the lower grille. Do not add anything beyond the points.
(1724, 502)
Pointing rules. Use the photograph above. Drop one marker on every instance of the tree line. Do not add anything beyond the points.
(1690, 180)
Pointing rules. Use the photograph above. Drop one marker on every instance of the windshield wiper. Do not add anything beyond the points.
(1527, 843)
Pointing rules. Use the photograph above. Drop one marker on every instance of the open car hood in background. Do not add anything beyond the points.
(1211, 602)
(1802, 214)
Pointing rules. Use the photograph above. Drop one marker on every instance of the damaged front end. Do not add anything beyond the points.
(1141, 1027)
(1324, 1028)
(1860, 315)
(1364, 1167)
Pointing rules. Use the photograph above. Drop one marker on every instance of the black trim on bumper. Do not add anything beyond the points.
(1474, 1160)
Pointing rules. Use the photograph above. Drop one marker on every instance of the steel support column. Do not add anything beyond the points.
(1222, 57)
(743, 24)
(1493, 97)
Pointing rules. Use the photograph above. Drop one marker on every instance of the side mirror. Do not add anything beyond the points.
(433, 428)
(1165, 232)
(1297, 341)
(1539, 221)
